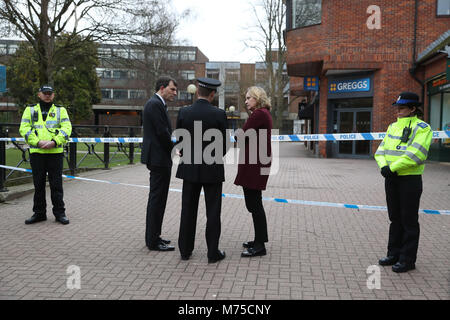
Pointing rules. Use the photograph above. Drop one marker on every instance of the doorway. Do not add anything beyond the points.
(353, 116)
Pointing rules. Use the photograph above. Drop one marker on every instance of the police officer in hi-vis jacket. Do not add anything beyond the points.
(401, 157)
(46, 128)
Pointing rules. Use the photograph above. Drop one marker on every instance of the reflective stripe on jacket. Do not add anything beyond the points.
(405, 158)
(56, 127)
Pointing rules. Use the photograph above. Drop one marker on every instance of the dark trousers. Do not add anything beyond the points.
(157, 199)
(51, 164)
(253, 202)
(189, 210)
(403, 199)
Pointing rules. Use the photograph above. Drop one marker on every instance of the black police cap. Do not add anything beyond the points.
(209, 83)
(409, 99)
(46, 88)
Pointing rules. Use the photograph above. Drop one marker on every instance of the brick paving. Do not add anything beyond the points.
(314, 252)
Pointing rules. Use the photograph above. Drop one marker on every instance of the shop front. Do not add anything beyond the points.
(350, 108)
(438, 91)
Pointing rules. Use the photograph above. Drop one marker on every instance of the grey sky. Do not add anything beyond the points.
(218, 28)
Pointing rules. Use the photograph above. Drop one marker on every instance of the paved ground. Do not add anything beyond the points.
(314, 252)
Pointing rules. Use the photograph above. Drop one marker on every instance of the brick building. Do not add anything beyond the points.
(126, 74)
(363, 56)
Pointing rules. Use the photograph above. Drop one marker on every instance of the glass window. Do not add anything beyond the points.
(446, 112)
(137, 94)
(120, 74)
(12, 48)
(120, 94)
(104, 52)
(137, 54)
(121, 53)
(213, 74)
(106, 93)
(188, 74)
(184, 96)
(443, 7)
(306, 13)
(173, 55)
(187, 55)
(3, 49)
(435, 112)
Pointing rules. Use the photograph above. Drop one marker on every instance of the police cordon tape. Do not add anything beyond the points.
(281, 138)
(237, 196)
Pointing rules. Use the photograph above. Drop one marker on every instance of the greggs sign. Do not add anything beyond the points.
(342, 86)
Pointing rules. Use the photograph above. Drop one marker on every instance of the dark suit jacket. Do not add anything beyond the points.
(157, 140)
(211, 118)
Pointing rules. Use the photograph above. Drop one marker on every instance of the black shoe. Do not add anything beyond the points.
(35, 218)
(254, 252)
(388, 261)
(186, 256)
(62, 219)
(220, 256)
(403, 266)
(248, 244)
(161, 247)
(164, 241)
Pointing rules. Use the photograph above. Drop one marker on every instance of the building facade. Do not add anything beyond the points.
(127, 80)
(361, 57)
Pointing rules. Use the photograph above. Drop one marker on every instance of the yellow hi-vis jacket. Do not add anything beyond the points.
(56, 127)
(405, 158)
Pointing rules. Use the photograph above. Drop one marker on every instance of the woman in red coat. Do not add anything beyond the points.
(254, 169)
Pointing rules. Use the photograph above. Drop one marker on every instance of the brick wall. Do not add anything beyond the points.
(344, 42)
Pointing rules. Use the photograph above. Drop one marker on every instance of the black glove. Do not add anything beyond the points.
(387, 173)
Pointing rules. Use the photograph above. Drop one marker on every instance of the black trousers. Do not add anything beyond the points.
(189, 210)
(403, 199)
(157, 199)
(253, 202)
(51, 164)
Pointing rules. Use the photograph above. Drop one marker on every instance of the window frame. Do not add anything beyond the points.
(290, 25)
(437, 10)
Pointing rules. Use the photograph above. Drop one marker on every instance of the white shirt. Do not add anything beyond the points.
(164, 103)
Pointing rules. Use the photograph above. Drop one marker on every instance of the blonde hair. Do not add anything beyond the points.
(262, 100)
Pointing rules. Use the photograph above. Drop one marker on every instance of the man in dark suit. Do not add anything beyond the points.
(156, 154)
(199, 172)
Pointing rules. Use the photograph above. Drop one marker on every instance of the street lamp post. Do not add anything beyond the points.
(192, 89)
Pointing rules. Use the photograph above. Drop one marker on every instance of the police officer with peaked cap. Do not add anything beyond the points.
(401, 158)
(198, 176)
(46, 128)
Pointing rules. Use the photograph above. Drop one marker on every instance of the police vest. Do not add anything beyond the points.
(405, 158)
(56, 127)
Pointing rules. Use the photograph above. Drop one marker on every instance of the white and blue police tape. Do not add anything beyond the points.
(282, 138)
(237, 196)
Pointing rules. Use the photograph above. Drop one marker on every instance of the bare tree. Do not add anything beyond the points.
(41, 22)
(153, 42)
(270, 18)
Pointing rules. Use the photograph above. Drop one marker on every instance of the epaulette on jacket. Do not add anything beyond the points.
(32, 105)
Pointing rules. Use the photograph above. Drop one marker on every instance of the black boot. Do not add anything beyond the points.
(35, 218)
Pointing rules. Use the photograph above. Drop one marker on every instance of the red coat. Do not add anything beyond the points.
(249, 175)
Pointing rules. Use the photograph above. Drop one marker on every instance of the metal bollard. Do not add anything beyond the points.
(106, 148)
(2, 162)
(131, 147)
(73, 158)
